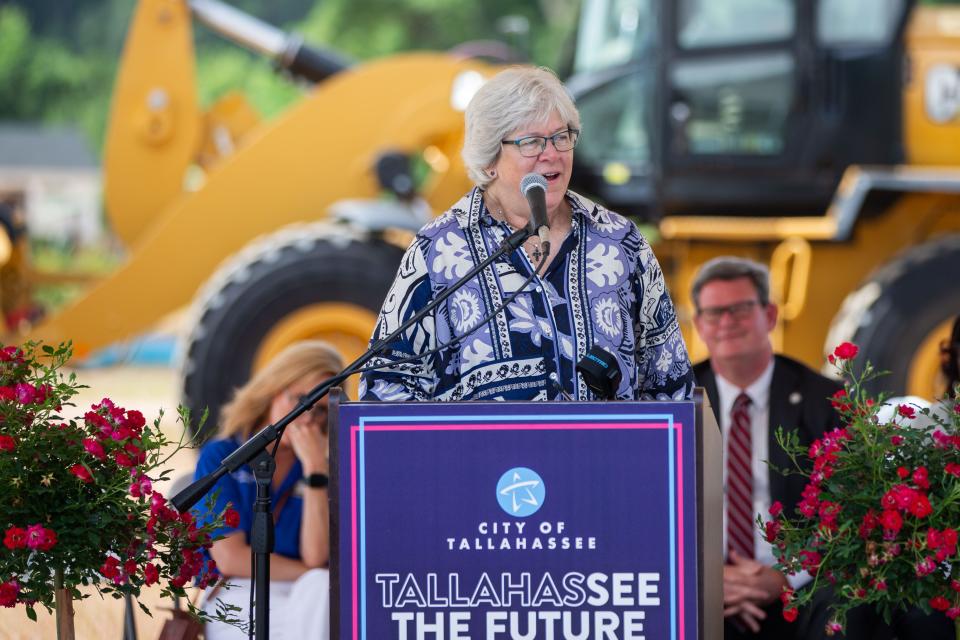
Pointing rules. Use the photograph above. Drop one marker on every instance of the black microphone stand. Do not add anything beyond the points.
(254, 449)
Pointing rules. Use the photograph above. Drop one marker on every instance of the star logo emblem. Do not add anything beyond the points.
(520, 492)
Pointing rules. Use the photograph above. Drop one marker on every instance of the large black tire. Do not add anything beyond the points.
(272, 278)
(898, 307)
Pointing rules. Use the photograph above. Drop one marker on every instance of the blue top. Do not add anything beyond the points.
(240, 488)
(604, 288)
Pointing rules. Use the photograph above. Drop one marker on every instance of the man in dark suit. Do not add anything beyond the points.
(752, 392)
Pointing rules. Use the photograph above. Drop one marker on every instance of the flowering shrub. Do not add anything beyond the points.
(77, 503)
(880, 514)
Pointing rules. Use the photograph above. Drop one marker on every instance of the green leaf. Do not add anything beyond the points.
(31, 614)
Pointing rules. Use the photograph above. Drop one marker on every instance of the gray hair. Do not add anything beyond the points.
(732, 268)
(515, 97)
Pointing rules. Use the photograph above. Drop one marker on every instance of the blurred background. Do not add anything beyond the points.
(187, 187)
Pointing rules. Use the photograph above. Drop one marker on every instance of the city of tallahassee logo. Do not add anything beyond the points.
(520, 492)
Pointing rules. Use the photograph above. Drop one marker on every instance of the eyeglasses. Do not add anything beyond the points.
(737, 311)
(532, 146)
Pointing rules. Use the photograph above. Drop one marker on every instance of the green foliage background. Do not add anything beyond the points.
(58, 57)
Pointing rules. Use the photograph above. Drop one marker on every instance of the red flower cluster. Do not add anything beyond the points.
(111, 529)
(877, 517)
(943, 441)
(908, 500)
(943, 543)
(35, 536)
(165, 523)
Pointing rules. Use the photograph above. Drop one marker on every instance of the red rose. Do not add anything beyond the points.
(896, 440)
(953, 612)
(81, 472)
(26, 393)
(15, 538)
(790, 614)
(891, 520)
(925, 567)
(110, 568)
(907, 411)
(150, 574)
(49, 540)
(40, 538)
(776, 508)
(130, 567)
(846, 351)
(903, 472)
(953, 469)
(135, 420)
(231, 518)
(9, 592)
(772, 529)
(122, 459)
(810, 561)
(939, 603)
(94, 448)
(950, 537)
(921, 507)
(7, 443)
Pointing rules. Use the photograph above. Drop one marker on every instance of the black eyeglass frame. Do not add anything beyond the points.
(574, 134)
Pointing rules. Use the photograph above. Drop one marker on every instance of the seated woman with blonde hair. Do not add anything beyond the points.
(299, 588)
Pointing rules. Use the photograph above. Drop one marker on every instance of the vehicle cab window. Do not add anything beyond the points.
(721, 23)
(857, 22)
(612, 32)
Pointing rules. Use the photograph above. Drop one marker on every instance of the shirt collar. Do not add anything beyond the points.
(758, 391)
(580, 207)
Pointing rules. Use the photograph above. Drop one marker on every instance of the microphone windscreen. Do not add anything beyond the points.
(601, 372)
(532, 180)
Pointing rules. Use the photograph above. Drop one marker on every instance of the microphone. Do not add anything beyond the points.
(533, 186)
(601, 372)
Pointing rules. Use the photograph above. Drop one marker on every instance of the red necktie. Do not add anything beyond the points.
(740, 518)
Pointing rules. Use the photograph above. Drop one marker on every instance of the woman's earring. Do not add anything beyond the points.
(492, 173)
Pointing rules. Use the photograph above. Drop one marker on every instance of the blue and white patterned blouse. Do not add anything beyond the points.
(604, 287)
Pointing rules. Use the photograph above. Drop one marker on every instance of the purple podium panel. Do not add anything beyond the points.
(488, 520)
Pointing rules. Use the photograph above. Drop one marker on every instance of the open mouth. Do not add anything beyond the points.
(552, 177)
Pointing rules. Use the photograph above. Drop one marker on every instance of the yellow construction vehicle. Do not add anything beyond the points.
(818, 138)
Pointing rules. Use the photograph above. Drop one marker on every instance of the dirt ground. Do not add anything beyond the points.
(147, 389)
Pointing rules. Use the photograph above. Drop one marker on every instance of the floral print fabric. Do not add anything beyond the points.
(604, 287)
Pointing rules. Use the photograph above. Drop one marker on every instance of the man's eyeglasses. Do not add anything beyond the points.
(737, 311)
(532, 146)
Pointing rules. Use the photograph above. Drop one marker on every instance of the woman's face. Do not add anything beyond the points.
(510, 167)
(284, 402)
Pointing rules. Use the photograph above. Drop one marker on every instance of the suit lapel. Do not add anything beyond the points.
(786, 409)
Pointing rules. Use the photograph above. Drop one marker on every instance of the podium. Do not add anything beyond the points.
(499, 520)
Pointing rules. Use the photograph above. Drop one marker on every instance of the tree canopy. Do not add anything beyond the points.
(58, 57)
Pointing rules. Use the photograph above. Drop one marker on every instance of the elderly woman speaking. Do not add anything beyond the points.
(600, 286)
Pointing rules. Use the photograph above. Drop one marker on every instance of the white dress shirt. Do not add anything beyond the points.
(759, 393)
